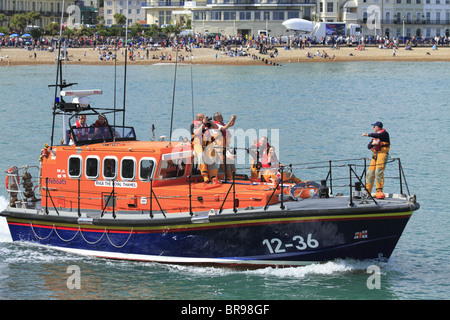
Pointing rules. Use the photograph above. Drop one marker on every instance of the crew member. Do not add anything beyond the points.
(258, 150)
(380, 146)
(222, 138)
(82, 128)
(271, 165)
(204, 148)
(101, 128)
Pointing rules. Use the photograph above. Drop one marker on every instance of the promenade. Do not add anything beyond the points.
(90, 56)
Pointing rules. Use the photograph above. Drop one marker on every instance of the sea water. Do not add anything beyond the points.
(315, 111)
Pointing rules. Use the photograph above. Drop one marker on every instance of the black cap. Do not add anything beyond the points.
(377, 124)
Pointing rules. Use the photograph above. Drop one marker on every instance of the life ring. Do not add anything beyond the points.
(13, 170)
(305, 190)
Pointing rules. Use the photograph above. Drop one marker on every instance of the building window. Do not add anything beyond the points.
(257, 15)
(199, 15)
(229, 15)
(245, 15)
(278, 15)
(330, 6)
(293, 14)
(216, 15)
(321, 7)
(168, 17)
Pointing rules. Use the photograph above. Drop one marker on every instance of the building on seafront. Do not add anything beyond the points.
(134, 11)
(79, 11)
(394, 18)
(231, 17)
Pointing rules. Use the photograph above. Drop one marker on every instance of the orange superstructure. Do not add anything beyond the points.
(140, 176)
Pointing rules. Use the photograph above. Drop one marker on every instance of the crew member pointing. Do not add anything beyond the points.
(380, 146)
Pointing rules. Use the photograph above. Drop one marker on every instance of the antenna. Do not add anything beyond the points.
(173, 95)
(58, 72)
(126, 58)
(192, 90)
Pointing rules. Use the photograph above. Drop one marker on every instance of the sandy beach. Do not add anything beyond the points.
(89, 56)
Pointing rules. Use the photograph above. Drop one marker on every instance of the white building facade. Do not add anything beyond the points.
(133, 10)
(395, 18)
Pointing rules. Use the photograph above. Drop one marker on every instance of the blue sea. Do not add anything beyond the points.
(319, 111)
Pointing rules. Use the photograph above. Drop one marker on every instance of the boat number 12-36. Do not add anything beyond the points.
(275, 245)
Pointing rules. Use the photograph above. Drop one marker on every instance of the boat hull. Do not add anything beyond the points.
(257, 239)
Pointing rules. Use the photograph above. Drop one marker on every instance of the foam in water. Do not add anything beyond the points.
(328, 268)
(5, 236)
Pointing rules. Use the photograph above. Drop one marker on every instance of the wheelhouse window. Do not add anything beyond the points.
(110, 168)
(146, 168)
(128, 169)
(173, 165)
(92, 167)
(75, 168)
(172, 168)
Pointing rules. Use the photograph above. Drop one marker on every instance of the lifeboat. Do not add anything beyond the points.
(103, 192)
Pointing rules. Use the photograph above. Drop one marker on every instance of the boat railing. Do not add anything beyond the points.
(337, 170)
(331, 174)
(21, 185)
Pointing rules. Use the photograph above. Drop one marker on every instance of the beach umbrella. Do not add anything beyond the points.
(26, 35)
(2, 34)
(14, 35)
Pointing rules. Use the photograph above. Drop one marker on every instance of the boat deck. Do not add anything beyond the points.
(335, 205)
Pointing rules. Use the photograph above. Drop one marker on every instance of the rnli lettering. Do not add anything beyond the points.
(117, 184)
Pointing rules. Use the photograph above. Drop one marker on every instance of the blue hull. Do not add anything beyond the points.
(253, 241)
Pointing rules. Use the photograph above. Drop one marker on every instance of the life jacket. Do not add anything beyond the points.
(82, 133)
(377, 147)
(264, 157)
(15, 172)
(225, 133)
(204, 137)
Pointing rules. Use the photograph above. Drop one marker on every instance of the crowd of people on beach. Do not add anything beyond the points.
(146, 48)
(217, 41)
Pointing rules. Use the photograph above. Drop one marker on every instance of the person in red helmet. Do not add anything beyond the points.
(380, 145)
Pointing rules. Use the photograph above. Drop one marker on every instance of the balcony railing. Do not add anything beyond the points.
(407, 22)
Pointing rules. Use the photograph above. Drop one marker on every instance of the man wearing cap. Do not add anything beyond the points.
(380, 146)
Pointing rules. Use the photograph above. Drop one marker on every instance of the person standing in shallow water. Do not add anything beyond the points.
(380, 146)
